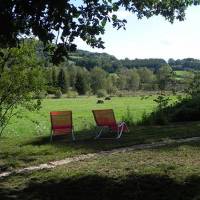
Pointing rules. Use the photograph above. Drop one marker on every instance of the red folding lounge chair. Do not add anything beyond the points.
(106, 119)
(61, 123)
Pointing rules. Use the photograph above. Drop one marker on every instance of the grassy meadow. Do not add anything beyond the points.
(28, 143)
(167, 173)
(38, 123)
(184, 74)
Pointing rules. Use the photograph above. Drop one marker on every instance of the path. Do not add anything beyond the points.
(66, 161)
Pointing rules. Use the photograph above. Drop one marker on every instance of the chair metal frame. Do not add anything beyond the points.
(121, 126)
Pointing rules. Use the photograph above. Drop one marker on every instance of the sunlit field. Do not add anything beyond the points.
(38, 123)
(129, 175)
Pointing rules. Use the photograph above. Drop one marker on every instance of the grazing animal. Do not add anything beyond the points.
(107, 98)
(100, 101)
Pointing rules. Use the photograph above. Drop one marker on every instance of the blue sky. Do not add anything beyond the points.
(153, 38)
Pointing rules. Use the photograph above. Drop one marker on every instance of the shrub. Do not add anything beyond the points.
(101, 93)
(128, 117)
(154, 118)
(51, 90)
(89, 93)
(72, 94)
(160, 116)
(99, 101)
(41, 95)
(58, 94)
(186, 110)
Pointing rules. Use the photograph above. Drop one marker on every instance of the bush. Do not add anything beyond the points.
(128, 117)
(41, 95)
(72, 94)
(154, 118)
(186, 110)
(160, 116)
(58, 94)
(99, 101)
(89, 93)
(51, 90)
(101, 93)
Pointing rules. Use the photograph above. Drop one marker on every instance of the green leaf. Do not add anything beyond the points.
(103, 22)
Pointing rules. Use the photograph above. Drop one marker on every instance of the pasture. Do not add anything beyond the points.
(184, 74)
(38, 123)
(26, 141)
(169, 172)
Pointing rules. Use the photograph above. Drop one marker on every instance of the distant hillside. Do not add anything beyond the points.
(110, 63)
(185, 64)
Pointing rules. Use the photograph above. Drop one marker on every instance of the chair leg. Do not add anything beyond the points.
(51, 136)
(122, 125)
(73, 136)
(99, 134)
(121, 131)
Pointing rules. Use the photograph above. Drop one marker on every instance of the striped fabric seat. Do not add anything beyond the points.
(61, 123)
(106, 119)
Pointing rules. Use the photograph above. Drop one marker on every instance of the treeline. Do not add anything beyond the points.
(95, 79)
(109, 63)
(70, 78)
(185, 64)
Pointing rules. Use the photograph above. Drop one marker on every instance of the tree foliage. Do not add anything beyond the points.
(62, 81)
(81, 83)
(164, 76)
(21, 81)
(62, 21)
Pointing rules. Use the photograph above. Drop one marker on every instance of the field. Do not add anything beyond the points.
(168, 173)
(38, 123)
(183, 74)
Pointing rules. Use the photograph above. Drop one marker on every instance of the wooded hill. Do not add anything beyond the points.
(110, 63)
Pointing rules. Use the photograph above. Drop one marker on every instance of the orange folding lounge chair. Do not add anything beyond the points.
(61, 123)
(106, 119)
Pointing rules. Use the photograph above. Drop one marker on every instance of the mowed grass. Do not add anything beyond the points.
(166, 173)
(30, 147)
(38, 123)
(26, 141)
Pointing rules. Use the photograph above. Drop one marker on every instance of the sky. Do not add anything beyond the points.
(152, 38)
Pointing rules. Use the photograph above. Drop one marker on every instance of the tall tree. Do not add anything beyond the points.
(111, 83)
(164, 76)
(62, 81)
(81, 83)
(98, 79)
(133, 80)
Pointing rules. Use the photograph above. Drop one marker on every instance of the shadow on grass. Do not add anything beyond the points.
(22, 152)
(137, 135)
(140, 187)
(85, 139)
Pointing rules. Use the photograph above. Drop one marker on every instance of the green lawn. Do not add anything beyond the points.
(163, 173)
(29, 145)
(25, 151)
(34, 124)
